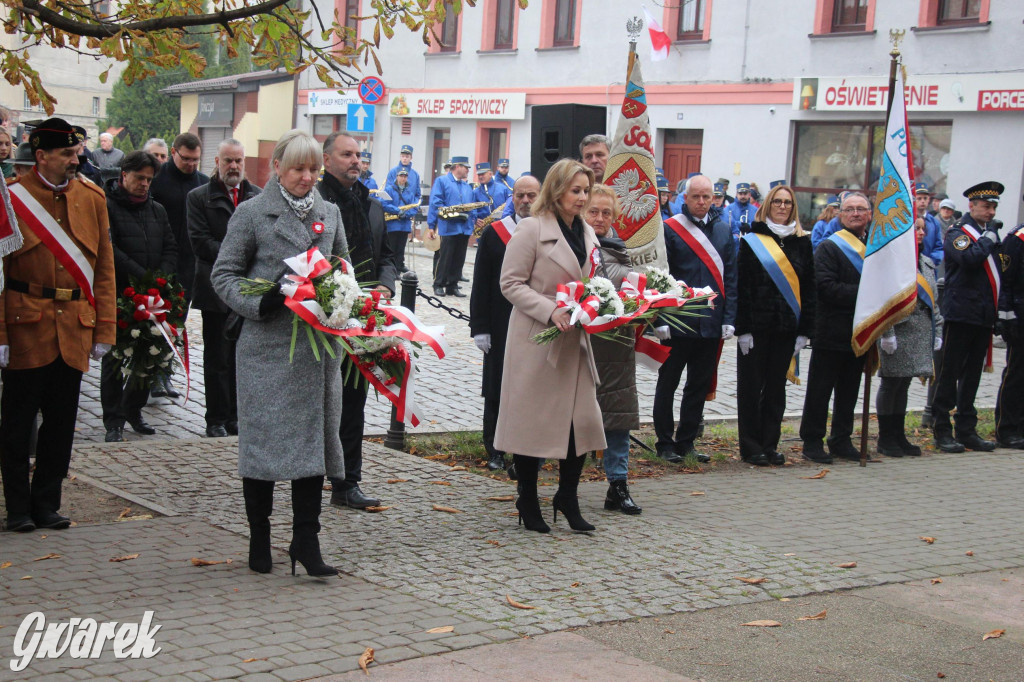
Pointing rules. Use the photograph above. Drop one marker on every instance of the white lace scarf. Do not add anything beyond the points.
(301, 205)
(781, 231)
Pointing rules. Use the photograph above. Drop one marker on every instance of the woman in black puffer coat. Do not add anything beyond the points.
(768, 332)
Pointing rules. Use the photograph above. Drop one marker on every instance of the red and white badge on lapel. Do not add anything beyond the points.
(318, 228)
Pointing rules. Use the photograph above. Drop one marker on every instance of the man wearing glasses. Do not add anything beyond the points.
(834, 368)
(177, 177)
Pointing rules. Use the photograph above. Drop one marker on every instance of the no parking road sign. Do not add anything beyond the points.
(371, 90)
(359, 119)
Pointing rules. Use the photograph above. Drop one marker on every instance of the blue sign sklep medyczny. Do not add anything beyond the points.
(359, 118)
(371, 90)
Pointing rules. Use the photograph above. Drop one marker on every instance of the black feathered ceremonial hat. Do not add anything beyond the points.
(989, 191)
(53, 133)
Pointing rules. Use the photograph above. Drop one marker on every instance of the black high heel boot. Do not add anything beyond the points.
(528, 503)
(305, 547)
(259, 504)
(565, 500)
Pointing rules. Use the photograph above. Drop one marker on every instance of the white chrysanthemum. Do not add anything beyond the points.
(136, 333)
(372, 344)
(164, 364)
(344, 295)
(663, 282)
(128, 352)
(153, 350)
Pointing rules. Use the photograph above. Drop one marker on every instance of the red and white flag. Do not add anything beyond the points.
(660, 41)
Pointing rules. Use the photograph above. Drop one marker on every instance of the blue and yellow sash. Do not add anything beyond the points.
(778, 267)
(924, 292)
(851, 247)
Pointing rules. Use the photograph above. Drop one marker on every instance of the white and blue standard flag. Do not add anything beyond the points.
(888, 283)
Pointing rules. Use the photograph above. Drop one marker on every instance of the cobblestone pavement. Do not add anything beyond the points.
(449, 390)
(412, 568)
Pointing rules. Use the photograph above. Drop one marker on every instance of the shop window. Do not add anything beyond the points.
(843, 16)
(831, 157)
(560, 23)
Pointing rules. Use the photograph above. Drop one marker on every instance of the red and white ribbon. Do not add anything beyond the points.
(155, 309)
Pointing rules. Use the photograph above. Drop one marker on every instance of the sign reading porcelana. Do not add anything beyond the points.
(487, 105)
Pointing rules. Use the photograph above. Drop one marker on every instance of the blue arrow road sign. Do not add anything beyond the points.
(359, 119)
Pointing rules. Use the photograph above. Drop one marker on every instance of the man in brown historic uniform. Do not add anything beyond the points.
(57, 311)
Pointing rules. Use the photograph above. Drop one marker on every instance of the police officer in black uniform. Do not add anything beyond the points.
(1010, 405)
(972, 256)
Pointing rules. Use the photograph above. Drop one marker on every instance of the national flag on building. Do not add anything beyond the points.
(631, 173)
(660, 42)
(888, 282)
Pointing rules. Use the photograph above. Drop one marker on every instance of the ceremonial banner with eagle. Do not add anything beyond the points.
(630, 172)
(888, 282)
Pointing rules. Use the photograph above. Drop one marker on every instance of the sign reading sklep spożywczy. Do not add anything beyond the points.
(968, 92)
(82, 638)
(480, 105)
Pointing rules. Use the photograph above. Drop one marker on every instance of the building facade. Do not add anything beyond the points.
(751, 91)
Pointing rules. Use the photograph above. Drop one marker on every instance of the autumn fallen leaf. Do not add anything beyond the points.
(517, 605)
(941, 675)
(124, 512)
(458, 468)
(821, 474)
(763, 624)
(936, 581)
(6, 564)
(126, 557)
(443, 628)
(250, 660)
(501, 498)
(366, 659)
(442, 508)
(670, 632)
(574, 585)
(969, 553)
(206, 562)
(820, 616)
(398, 480)
(753, 581)
(51, 555)
(848, 564)
(927, 539)
(436, 457)
(993, 634)
(696, 493)
(440, 483)
(25, 577)
(376, 508)
(495, 543)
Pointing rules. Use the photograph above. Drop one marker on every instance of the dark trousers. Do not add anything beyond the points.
(831, 371)
(761, 392)
(964, 347)
(697, 356)
(453, 256)
(398, 240)
(490, 423)
(891, 398)
(52, 390)
(1010, 403)
(353, 404)
(218, 371)
(120, 401)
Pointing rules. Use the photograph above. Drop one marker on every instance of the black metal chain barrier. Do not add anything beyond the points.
(436, 303)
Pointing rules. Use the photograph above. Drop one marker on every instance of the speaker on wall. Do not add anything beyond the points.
(556, 131)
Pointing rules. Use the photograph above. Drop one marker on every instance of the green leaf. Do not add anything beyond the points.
(312, 342)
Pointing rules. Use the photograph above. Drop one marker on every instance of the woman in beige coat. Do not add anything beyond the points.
(549, 394)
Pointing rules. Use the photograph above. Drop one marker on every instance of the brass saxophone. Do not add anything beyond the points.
(477, 231)
(394, 216)
(459, 210)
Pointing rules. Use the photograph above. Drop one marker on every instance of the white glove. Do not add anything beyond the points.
(727, 331)
(483, 342)
(992, 235)
(801, 343)
(888, 344)
(746, 342)
(938, 344)
(5, 355)
(99, 350)
(663, 333)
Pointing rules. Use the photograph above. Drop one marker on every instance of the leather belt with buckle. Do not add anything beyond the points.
(40, 291)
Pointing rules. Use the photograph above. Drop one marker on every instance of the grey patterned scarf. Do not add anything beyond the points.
(301, 205)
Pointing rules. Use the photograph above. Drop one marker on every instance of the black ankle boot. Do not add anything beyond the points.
(569, 505)
(305, 547)
(887, 444)
(618, 498)
(565, 500)
(528, 503)
(259, 504)
(899, 433)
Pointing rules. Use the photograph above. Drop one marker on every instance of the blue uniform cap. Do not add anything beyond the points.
(921, 188)
(989, 191)
(502, 162)
(406, 149)
(693, 174)
(662, 183)
(482, 167)
(719, 189)
(402, 171)
(775, 183)
(460, 161)
(659, 171)
(833, 200)
(365, 155)
(742, 187)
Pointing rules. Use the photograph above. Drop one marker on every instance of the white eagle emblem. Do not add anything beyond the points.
(631, 193)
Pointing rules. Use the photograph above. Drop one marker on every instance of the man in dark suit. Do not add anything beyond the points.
(208, 210)
(372, 257)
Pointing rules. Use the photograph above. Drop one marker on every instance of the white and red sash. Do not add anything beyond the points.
(700, 245)
(991, 269)
(50, 233)
(505, 228)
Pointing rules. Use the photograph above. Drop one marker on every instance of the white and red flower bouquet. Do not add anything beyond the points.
(150, 329)
(379, 339)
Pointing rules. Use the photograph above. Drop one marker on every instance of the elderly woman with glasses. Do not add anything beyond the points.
(774, 320)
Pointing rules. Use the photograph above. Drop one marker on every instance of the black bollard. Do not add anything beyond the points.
(396, 434)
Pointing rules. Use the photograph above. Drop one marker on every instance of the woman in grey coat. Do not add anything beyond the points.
(289, 411)
(615, 358)
(907, 349)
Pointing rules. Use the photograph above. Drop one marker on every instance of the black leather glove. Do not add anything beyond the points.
(1010, 331)
(271, 301)
(999, 329)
